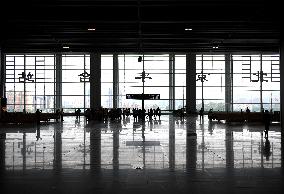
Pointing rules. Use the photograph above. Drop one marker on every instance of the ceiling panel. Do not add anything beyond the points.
(131, 25)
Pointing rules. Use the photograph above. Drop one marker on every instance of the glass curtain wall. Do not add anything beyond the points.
(157, 66)
(129, 68)
(271, 84)
(210, 82)
(180, 81)
(107, 81)
(256, 82)
(75, 82)
(30, 83)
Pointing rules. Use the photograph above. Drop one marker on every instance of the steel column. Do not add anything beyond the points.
(191, 83)
(228, 83)
(95, 80)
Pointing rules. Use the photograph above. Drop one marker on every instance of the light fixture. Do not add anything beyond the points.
(91, 29)
(215, 47)
(66, 47)
(188, 29)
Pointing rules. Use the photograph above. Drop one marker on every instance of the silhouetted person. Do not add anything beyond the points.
(61, 115)
(201, 114)
(247, 110)
(123, 113)
(57, 114)
(158, 110)
(78, 113)
(266, 120)
(210, 113)
(88, 114)
(37, 116)
(118, 113)
(262, 110)
(150, 113)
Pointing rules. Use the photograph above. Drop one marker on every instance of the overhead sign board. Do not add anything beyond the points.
(146, 96)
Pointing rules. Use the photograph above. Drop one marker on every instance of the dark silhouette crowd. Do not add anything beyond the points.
(103, 114)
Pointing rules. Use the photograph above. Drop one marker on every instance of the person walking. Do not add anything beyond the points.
(201, 114)
(38, 116)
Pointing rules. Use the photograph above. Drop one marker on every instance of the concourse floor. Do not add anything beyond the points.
(162, 156)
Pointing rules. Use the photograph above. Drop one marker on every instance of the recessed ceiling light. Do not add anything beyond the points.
(215, 47)
(188, 29)
(66, 47)
(91, 29)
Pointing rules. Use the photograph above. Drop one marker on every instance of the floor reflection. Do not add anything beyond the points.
(160, 144)
(57, 162)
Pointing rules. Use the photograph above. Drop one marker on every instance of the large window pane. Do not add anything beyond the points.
(157, 66)
(74, 82)
(26, 82)
(107, 81)
(211, 90)
(256, 82)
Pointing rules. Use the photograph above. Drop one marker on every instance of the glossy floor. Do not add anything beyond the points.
(163, 156)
